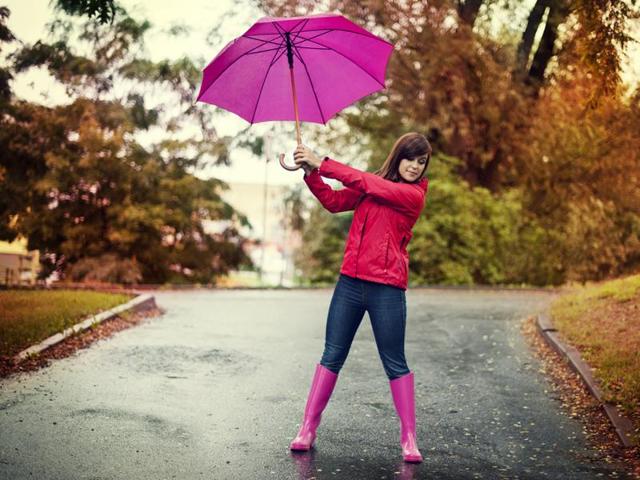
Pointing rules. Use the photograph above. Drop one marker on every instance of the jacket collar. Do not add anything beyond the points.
(422, 183)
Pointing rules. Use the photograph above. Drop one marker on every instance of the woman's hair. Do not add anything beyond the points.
(409, 145)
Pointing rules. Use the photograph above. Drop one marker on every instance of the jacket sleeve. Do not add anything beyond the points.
(333, 200)
(405, 197)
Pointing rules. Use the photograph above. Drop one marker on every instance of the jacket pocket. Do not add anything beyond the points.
(406, 237)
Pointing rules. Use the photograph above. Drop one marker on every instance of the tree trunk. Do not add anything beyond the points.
(533, 22)
(558, 11)
(468, 11)
(489, 176)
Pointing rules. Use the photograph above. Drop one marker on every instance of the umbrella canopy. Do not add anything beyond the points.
(298, 68)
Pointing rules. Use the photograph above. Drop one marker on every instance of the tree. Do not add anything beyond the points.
(546, 128)
(468, 10)
(462, 83)
(323, 237)
(82, 189)
(104, 10)
(6, 36)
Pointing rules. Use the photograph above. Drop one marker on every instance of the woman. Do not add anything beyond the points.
(373, 275)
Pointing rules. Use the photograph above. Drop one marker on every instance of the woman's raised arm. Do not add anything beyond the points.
(405, 197)
(333, 200)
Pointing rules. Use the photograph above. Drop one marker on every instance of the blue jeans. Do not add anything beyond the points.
(387, 309)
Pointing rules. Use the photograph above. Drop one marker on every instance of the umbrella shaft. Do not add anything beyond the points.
(293, 86)
(295, 105)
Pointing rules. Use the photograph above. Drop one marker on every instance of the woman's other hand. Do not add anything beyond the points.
(304, 155)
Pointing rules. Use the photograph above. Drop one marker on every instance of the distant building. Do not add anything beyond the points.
(275, 255)
(18, 266)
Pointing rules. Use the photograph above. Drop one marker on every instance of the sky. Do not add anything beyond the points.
(29, 17)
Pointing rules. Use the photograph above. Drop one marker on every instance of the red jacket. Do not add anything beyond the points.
(385, 213)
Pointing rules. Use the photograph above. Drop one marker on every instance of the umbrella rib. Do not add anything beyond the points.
(227, 67)
(316, 36)
(327, 30)
(297, 33)
(303, 22)
(263, 41)
(284, 50)
(304, 39)
(301, 29)
(310, 82)
(297, 54)
(264, 80)
(373, 37)
(340, 53)
(267, 50)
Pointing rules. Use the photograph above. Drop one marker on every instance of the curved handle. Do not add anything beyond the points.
(287, 167)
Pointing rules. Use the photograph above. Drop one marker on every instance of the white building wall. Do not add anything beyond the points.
(279, 241)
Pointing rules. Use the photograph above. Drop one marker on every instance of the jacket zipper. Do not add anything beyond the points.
(386, 255)
(404, 237)
(360, 243)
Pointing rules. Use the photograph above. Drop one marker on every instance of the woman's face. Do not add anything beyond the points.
(412, 168)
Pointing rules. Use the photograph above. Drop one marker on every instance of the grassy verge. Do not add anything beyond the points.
(602, 320)
(30, 316)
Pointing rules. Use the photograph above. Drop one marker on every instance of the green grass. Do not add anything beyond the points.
(30, 316)
(602, 320)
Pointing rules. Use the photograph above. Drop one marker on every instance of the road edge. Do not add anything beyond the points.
(622, 425)
(139, 303)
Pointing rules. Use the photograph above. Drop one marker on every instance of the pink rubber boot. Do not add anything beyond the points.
(321, 388)
(402, 391)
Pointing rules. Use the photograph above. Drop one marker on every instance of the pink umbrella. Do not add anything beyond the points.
(330, 61)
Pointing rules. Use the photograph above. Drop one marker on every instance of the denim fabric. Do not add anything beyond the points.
(387, 309)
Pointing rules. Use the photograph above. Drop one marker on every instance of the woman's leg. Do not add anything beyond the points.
(345, 313)
(387, 308)
(388, 311)
(324, 381)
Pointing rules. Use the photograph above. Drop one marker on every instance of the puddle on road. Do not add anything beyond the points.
(153, 423)
(171, 360)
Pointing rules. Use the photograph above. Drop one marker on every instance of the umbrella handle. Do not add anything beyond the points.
(287, 167)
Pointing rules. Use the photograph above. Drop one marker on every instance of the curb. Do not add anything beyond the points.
(621, 424)
(137, 304)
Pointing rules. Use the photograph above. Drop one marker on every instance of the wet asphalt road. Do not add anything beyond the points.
(216, 388)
